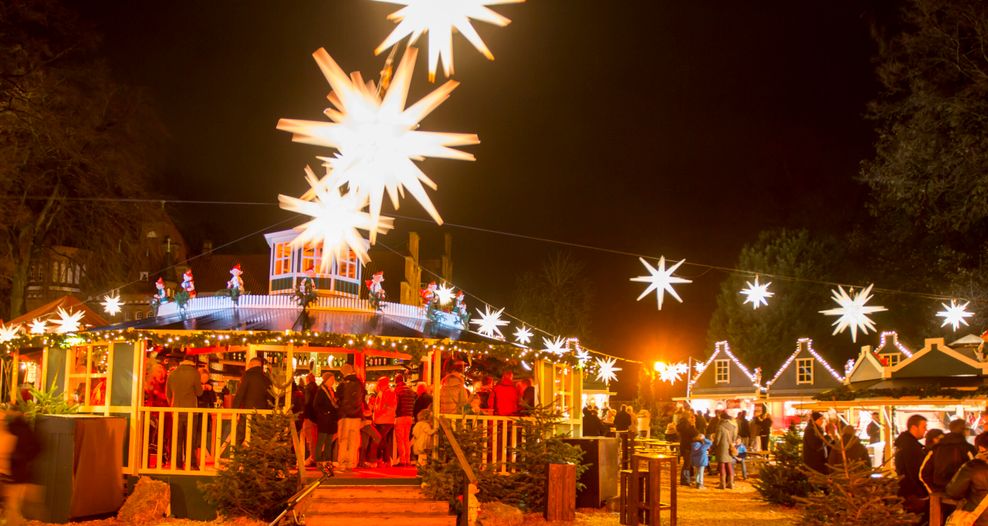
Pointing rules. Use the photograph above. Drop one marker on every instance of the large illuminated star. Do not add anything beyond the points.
(606, 370)
(523, 335)
(111, 304)
(757, 293)
(8, 332)
(853, 312)
(376, 137)
(39, 326)
(582, 357)
(954, 314)
(336, 222)
(490, 322)
(444, 294)
(441, 18)
(661, 280)
(68, 321)
(556, 346)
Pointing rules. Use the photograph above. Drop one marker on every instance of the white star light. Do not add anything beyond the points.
(699, 367)
(582, 357)
(757, 293)
(523, 335)
(444, 294)
(606, 371)
(68, 321)
(336, 222)
(954, 314)
(8, 332)
(376, 138)
(39, 326)
(489, 322)
(556, 346)
(853, 312)
(671, 372)
(441, 18)
(661, 280)
(111, 304)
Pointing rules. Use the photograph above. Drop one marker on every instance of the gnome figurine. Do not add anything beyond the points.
(189, 283)
(236, 284)
(375, 291)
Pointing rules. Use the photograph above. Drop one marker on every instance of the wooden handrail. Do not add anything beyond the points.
(461, 458)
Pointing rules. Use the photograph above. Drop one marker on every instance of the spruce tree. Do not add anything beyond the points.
(786, 479)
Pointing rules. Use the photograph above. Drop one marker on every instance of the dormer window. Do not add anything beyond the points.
(804, 371)
(347, 268)
(311, 258)
(890, 359)
(722, 371)
(282, 259)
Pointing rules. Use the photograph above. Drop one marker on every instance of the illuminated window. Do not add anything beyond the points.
(722, 371)
(890, 359)
(804, 371)
(282, 259)
(88, 368)
(347, 268)
(311, 258)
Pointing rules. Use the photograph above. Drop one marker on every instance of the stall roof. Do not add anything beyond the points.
(69, 303)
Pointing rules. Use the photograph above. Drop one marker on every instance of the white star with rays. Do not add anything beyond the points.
(582, 357)
(39, 326)
(336, 222)
(376, 137)
(441, 18)
(954, 314)
(444, 294)
(111, 304)
(606, 370)
(556, 346)
(661, 280)
(490, 322)
(671, 372)
(68, 321)
(523, 335)
(853, 311)
(8, 332)
(756, 293)
(699, 367)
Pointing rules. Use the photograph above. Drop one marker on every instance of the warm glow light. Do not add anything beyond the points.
(111, 304)
(606, 370)
(336, 222)
(8, 332)
(671, 372)
(444, 294)
(441, 18)
(39, 326)
(523, 335)
(555, 346)
(490, 322)
(954, 314)
(375, 136)
(661, 280)
(68, 321)
(853, 312)
(757, 293)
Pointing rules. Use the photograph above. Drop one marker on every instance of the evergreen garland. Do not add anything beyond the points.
(933, 390)
(786, 479)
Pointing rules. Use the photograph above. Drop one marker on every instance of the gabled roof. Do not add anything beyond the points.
(785, 380)
(91, 318)
(969, 339)
(889, 343)
(937, 360)
(867, 368)
(741, 381)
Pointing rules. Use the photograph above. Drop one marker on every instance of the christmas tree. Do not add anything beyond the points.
(781, 482)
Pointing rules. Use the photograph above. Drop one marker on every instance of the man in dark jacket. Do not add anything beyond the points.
(591, 423)
(622, 420)
(351, 396)
(945, 458)
(971, 482)
(909, 454)
(254, 391)
(814, 445)
(854, 450)
(325, 411)
(686, 430)
(874, 429)
(744, 429)
(182, 390)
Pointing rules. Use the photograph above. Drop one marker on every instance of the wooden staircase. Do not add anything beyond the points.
(370, 505)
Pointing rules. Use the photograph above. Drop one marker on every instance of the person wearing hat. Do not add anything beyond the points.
(351, 394)
(183, 389)
(814, 444)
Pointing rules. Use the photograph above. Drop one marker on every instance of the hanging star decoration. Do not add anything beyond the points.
(68, 321)
(582, 357)
(442, 18)
(757, 294)
(671, 372)
(853, 311)
(444, 294)
(8, 332)
(376, 137)
(111, 304)
(336, 222)
(490, 322)
(661, 280)
(954, 314)
(39, 326)
(523, 335)
(606, 370)
(699, 367)
(556, 346)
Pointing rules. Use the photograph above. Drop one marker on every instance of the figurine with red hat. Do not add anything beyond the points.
(375, 291)
(236, 284)
(428, 293)
(160, 295)
(305, 290)
(189, 283)
(460, 308)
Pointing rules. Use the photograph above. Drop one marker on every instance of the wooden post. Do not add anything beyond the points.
(561, 493)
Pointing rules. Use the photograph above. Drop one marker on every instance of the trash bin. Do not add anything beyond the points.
(80, 467)
(600, 480)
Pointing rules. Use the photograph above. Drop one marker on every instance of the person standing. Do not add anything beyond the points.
(183, 389)
(255, 388)
(527, 401)
(350, 394)
(945, 458)
(854, 450)
(744, 429)
(686, 429)
(724, 440)
(404, 419)
(423, 400)
(504, 397)
(874, 429)
(622, 420)
(909, 454)
(971, 482)
(814, 445)
(384, 405)
(699, 457)
(325, 410)
(18, 475)
(764, 426)
(453, 392)
(310, 423)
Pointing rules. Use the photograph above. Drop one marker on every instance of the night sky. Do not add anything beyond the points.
(654, 127)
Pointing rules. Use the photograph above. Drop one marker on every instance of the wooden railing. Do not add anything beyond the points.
(287, 301)
(501, 435)
(468, 517)
(190, 441)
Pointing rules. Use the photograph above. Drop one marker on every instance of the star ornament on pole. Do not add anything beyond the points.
(523, 335)
(756, 293)
(853, 311)
(661, 280)
(606, 370)
(376, 138)
(954, 314)
(68, 322)
(489, 324)
(111, 304)
(441, 18)
(336, 222)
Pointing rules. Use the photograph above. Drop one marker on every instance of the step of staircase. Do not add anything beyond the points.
(359, 505)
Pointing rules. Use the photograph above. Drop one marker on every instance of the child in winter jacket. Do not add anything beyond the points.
(422, 436)
(741, 457)
(700, 458)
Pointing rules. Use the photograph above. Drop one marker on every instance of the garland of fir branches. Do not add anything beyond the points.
(934, 390)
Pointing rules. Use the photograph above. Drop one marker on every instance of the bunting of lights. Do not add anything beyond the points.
(442, 18)
(68, 322)
(757, 294)
(954, 314)
(489, 324)
(376, 138)
(111, 304)
(661, 280)
(853, 311)
(809, 348)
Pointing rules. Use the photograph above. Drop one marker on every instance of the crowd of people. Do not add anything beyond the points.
(723, 435)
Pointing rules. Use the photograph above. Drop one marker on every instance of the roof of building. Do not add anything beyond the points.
(91, 318)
